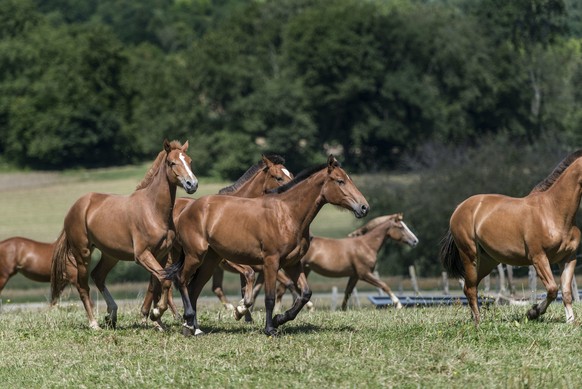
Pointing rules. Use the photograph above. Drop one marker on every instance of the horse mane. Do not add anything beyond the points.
(549, 180)
(148, 178)
(302, 176)
(276, 159)
(372, 224)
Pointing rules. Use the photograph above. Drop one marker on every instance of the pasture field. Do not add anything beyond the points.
(436, 347)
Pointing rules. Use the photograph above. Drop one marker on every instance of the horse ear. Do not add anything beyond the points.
(167, 146)
(331, 163)
(185, 147)
(400, 216)
(268, 163)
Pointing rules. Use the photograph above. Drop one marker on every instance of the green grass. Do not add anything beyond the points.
(416, 347)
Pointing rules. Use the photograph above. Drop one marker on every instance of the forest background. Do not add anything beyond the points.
(425, 102)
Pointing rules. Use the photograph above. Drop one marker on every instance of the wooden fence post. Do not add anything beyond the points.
(445, 283)
(510, 280)
(377, 275)
(575, 295)
(333, 304)
(502, 287)
(413, 278)
(487, 283)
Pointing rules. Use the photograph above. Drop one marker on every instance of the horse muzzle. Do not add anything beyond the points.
(361, 210)
(190, 186)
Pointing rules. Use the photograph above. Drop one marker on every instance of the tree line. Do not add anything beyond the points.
(423, 87)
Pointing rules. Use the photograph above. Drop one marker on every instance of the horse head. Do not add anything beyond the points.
(400, 232)
(178, 163)
(339, 189)
(275, 172)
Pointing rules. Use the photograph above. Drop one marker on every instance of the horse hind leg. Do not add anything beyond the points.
(99, 274)
(568, 268)
(544, 272)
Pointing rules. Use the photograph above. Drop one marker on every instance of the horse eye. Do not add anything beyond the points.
(341, 182)
(279, 179)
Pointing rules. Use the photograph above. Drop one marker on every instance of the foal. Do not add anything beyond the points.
(355, 257)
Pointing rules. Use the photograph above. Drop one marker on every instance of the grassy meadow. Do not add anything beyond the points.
(435, 347)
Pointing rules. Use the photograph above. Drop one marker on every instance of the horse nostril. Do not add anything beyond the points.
(364, 209)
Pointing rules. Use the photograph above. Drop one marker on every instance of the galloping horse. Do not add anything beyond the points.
(265, 175)
(537, 230)
(28, 257)
(272, 230)
(136, 227)
(355, 257)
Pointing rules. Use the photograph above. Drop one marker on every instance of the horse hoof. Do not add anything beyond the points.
(94, 326)
(198, 332)
(239, 312)
(533, 313)
(155, 314)
(271, 332)
(229, 307)
(110, 322)
(310, 307)
(398, 305)
(186, 332)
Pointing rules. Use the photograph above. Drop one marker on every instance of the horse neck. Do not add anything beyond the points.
(161, 193)
(376, 237)
(305, 200)
(566, 192)
(252, 187)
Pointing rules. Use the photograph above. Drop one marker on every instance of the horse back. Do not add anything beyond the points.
(29, 257)
(243, 230)
(333, 257)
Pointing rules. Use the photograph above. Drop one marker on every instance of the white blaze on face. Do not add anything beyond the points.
(408, 231)
(183, 159)
(286, 172)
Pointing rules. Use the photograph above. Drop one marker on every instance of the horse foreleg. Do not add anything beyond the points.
(296, 274)
(247, 281)
(352, 281)
(544, 272)
(568, 268)
(285, 283)
(148, 300)
(378, 283)
(217, 279)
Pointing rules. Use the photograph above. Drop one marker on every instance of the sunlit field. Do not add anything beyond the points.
(435, 347)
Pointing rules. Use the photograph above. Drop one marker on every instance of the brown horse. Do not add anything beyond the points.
(537, 230)
(265, 175)
(28, 257)
(136, 227)
(355, 257)
(272, 230)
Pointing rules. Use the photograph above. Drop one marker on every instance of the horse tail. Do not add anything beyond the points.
(175, 268)
(61, 253)
(450, 257)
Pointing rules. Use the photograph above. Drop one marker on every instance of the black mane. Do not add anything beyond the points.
(302, 176)
(549, 180)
